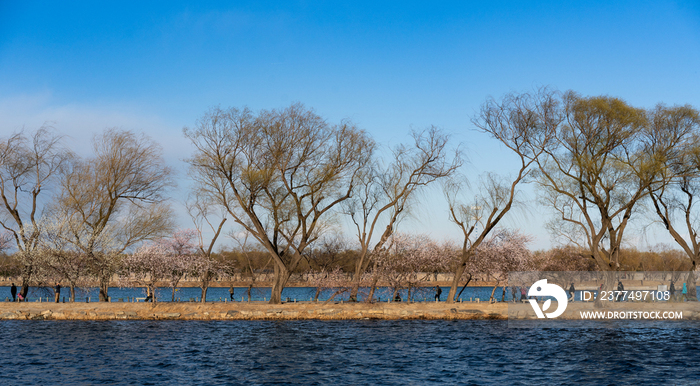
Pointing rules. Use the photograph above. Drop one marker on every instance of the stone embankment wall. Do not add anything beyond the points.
(249, 311)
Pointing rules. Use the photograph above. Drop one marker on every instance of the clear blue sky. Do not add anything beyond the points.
(388, 66)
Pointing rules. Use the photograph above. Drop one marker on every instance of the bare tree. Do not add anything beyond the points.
(596, 171)
(278, 175)
(60, 260)
(119, 191)
(409, 260)
(28, 167)
(505, 251)
(384, 192)
(334, 280)
(147, 266)
(523, 123)
(674, 196)
(183, 257)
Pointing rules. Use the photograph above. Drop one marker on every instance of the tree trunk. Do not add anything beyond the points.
(692, 289)
(281, 277)
(318, 292)
(26, 277)
(204, 285)
(25, 289)
(354, 290)
(455, 283)
(370, 297)
(491, 299)
(608, 285)
(104, 289)
(172, 299)
(72, 293)
(204, 288)
(250, 288)
(469, 279)
(151, 291)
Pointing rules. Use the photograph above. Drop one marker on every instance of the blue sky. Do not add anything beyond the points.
(389, 66)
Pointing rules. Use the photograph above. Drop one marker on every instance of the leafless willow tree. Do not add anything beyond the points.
(522, 122)
(598, 168)
(278, 174)
(28, 168)
(115, 200)
(674, 196)
(385, 190)
(604, 158)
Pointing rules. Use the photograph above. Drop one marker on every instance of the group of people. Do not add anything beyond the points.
(17, 297)
(514, 293)
(672, 291)
(438, 293)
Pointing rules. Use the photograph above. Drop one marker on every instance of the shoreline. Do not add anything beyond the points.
(251, 311)
(258, 310)
(337, 310)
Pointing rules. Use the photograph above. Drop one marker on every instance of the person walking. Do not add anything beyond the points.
(684, 291)
(572, 292)
(230, 291)
(620, 288)
(58, 292)
(523, 293)
(13, 292)
(438, 292)
(672, 291)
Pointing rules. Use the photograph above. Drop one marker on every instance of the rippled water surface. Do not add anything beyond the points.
(341, 353)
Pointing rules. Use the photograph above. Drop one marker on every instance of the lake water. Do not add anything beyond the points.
(257, 294)
(342, 353)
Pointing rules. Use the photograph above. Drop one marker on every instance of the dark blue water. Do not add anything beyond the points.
(341, 353)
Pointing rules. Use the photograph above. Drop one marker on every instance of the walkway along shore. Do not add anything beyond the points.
(249, 311)
(320, 311)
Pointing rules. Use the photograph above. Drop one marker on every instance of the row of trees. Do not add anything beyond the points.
(287, 177)
(79, 215)
(409, 261)
(596, 160)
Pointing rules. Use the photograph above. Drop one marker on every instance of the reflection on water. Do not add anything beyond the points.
(341, 352)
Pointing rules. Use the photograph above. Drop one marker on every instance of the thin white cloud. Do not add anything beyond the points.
(79, 123)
